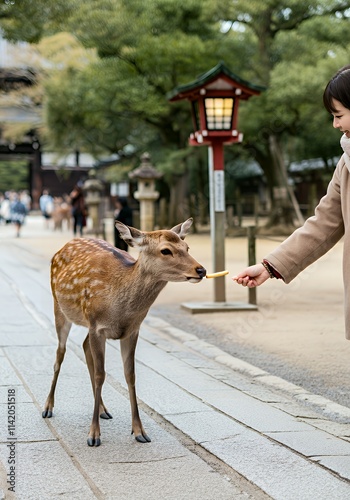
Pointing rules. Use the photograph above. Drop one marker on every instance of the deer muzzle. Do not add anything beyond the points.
(201, 274)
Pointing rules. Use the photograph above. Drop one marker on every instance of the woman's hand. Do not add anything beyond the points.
(252, 276)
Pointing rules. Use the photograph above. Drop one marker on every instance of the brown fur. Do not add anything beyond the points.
(61, 214)
(109, 292)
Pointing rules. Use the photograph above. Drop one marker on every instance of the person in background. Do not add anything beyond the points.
(26, 199)
(2, 198)
(79, 211)
(122, 213)
(331, 221)
(5, 208)
(18, 213)
(46, 206)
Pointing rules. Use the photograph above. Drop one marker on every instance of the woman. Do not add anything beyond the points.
(332, 216)
(78, 210)
(123, 213)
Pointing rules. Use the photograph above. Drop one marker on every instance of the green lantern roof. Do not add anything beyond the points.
(204, 80)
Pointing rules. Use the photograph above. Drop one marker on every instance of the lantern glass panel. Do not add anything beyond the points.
(219, 112)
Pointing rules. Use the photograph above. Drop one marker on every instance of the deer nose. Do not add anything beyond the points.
(201, 272)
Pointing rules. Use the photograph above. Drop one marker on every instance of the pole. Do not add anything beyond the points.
(217, 215)
(211, 202)
(251, 260)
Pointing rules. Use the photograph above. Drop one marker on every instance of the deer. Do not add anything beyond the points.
(108, 291)
(61, 212)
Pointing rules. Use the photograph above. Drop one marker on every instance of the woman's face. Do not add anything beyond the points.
(341, 118)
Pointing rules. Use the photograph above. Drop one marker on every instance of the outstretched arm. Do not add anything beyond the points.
(252, 276)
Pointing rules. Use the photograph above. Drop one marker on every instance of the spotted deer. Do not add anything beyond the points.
(105, 289)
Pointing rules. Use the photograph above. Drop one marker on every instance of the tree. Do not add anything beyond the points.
(145, 49)
(293, 59)
(13, 175)
(25, 20)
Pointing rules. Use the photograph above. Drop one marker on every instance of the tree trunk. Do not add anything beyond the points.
(285, 209)
(178, 203)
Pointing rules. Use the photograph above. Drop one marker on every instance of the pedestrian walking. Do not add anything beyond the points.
(5, 208)
(46, 206)
(18, 213)
(79, 211)
(332, 215)
(26, 199)
(122, 213)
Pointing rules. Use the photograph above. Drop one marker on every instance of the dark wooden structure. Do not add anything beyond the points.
(59, 179)
(28, 149)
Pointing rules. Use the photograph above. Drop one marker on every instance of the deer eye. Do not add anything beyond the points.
(166, 251)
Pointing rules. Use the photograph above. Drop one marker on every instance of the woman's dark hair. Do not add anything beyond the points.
(123, 201)
(338, 88)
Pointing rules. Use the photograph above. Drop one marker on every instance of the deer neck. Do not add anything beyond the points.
(141, 289)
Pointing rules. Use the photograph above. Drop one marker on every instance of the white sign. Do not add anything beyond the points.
(219, 190)
(120, 189)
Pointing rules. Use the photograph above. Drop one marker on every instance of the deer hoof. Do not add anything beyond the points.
(47, 414)
(143, 438)
(94, 442)
(106, 415)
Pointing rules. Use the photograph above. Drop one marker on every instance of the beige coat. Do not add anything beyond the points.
(319, 234)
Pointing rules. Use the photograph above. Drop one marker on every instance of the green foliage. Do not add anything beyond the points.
(107, 81)
(28, 20)
(146, 50)
(117, 173)
(14, 175)
(300, 47)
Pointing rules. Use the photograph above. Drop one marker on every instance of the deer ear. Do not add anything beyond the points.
(182, 229)
(133, 237)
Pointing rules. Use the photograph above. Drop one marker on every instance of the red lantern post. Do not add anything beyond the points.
(215, 98)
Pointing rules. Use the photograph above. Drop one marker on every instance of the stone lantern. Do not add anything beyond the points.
(146, 176)
(93, 189)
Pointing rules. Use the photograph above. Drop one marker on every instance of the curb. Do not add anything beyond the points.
(328, 408)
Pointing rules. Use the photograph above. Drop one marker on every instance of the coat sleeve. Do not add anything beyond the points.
(318, 234)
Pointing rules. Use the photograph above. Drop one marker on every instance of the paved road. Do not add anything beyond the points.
(298, 331)
(220, 427)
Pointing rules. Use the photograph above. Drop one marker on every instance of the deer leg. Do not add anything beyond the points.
(63, 327)
(127, 348)
(97, 348)
(104, 413)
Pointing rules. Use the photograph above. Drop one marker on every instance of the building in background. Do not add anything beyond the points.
(20, 119)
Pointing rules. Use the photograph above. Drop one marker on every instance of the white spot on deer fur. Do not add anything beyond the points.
(67, 296)
(96, 282)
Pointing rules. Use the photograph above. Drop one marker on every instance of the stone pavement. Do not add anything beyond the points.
(220, 427)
